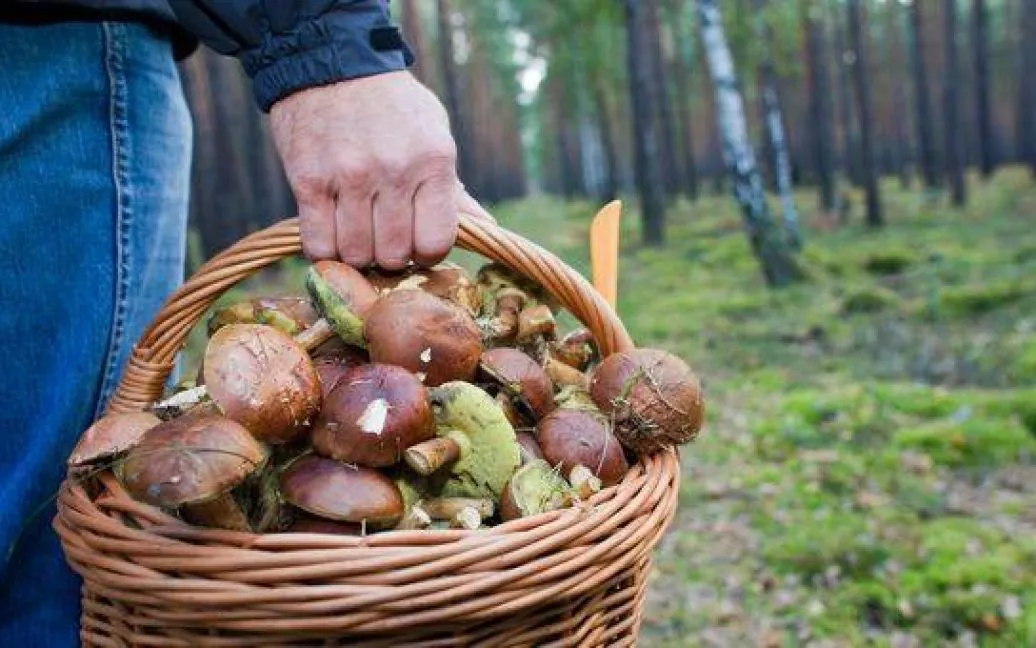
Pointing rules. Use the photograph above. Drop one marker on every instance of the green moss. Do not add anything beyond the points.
(982, 298)
(869, 299)
(814, 544)
(976, 442)
(888, 262)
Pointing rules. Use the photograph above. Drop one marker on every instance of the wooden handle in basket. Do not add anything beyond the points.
(153, 356)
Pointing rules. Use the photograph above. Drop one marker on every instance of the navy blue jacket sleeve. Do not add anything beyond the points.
(290, 45)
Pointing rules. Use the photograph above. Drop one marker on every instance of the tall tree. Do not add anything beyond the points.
(847, 116)
(414, 35)
(983, 110)
(953, 138)
(1027, 85)
(667, 141)
(773, 251)
(864, 111)
(681, 76)
(898, 121)
(648, 173)
(923, 118)
(821, 110)
(451, 87)
(775, 128)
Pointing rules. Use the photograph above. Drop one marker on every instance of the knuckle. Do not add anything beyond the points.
(308, 185)
(355, 174)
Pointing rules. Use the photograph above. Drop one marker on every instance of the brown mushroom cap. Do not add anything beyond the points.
(446, 280)
(375, 413)
(289, 314)
(343, 297)
(337, 491)
(520, 377)
(262, 379)
(334, 361)
(653, 396)
(110, 435)
(530, 448)
(572, 437)
(436, 339)
(304, 523)
(190, 460)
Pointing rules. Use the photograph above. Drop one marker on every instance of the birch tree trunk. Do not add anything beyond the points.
(951, 117)
(775, 129)
(922, 103)
(770, 247)
(983, 111)
(647, 169)
(821, 111)
(864, 111)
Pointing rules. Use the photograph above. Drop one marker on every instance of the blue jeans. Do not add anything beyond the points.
(94, 174)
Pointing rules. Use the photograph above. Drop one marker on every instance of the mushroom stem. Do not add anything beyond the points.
(466, 518)
(562, 374)
(415, 518)
(535, 320)
(584, 481)
(448, 508)
(429, 456)
(315, 335)
(223, 512)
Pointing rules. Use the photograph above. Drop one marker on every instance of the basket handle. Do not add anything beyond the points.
(154, 354)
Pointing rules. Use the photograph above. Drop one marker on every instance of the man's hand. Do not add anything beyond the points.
(372, 164)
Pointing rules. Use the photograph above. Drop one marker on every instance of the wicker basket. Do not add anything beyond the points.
(571, 577)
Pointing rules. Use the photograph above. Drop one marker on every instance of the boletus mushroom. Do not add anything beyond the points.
(110, 436)
(342, 296)
(534, 488)
(520, 378)
(262, 379)
(446, 280)
(341, 492)
(288, 314)
(576, 349)
(429, 336)
(653, 397)
(528, 447)
(580, 437)
(333, 360)
(374, 413)
(193, 463)
(475, 449)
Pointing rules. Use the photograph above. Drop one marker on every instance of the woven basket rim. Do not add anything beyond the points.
(307, 584)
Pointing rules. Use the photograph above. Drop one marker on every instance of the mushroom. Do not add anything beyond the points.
(576, 349)
(518, 376)
(288, 314)
(434, 338)
(536, 321)
(374, 413)
(494, 278)
(262, 379)
(109, 436)
(447, 508)
(476, 447)
(336, 491)
(529, 448)
(561, 373)
(342, 297)
(653, 397)
(310, 524)
(333, 360)
(193, 464)
(580, 437)
(446, 280)
(584, 482)
(533, 489)
(502, 324)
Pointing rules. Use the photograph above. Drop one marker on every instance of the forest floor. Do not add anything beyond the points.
(868, 472)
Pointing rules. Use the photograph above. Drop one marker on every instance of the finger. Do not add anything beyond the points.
(466, 204)
(435, 219)
(394, 227)
(354, 226)
(317, 228)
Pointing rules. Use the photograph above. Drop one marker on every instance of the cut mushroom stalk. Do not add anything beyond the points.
(562, 374)
(447, 508)
(415, 518)
(466, 518)
(429, 456)
(584, 482)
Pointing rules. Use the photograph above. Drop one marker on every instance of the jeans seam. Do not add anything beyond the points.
(114, 53)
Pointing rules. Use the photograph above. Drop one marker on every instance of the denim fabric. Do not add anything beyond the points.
(94, 171)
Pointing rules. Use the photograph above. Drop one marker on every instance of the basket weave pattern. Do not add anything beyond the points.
(573, 577)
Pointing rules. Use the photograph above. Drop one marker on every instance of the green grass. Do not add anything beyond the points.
(867, 471)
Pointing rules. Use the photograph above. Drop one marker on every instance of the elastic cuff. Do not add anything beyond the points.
(340, 45)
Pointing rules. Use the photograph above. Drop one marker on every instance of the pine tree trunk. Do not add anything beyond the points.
(1027, 86)
(983, 110)
(610, 188)
(683, 115)
(414, 35)
(770, 247)
(650, 183)
(775, 129)
(850, 153)
(899, 120)
(864, 111)
(670, 165)
(951, 118)
(923, 119)
(820, 108)
(451, 89)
